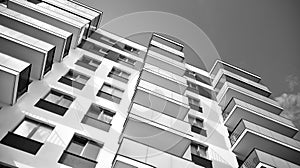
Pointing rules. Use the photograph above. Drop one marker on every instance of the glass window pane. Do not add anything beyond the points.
(42, 134)
(91, 150)
(76, 145)
(52, 98)
(94, 112)
(106, 89)
(65, 103)
(25, 128)
(117, 93)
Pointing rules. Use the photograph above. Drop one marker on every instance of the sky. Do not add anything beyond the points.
(260, 36)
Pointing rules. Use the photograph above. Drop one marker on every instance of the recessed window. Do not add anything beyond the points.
(119, 74)
(126, 60)
(29, 136)
(98, 117)
(74, 79)
(131, 49)
(197, 125)
(111, 93)
(81, 152)
(88, 62)
(194, 103)
(56, 102)
(199, 149)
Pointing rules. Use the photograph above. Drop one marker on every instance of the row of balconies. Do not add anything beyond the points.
(155, 128)
(37, 33)
(259, 136)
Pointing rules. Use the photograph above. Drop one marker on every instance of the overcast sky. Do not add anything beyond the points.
(261, 36)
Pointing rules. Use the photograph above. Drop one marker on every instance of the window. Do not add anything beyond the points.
(199, 90)
(194, 103)
(192, 85)
(56, 102)
(131, 49)
(197, 125)
(199, 149)
(110, 93)
(81, 152)
(29, 136)
(199, 155)
(98, 117)
(119, 74)
(74, 79)
(88, 62)
(126, 60)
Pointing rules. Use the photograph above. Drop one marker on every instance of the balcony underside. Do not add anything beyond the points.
(242, 110)
(250, 140)
(230, 91)
(259, 158)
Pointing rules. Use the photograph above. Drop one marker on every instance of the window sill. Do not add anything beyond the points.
(49, 106)
(76, 161)
(21, 143)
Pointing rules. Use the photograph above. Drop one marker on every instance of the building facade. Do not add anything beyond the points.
(75, 95)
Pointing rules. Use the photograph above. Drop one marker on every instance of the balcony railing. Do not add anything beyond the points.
(237, 132)
(251, 161)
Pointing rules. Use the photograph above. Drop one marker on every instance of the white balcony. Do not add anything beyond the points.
(165, 63)
(161, 100)
(237, 110)
(258, 158)
(223, 65)
(247, 136)
(164, 78)
(50, 17)
(151, 156)
(121, 161)
(224, 75)
(14, 75)
(230, 90)
(38, 29)
(26, 48)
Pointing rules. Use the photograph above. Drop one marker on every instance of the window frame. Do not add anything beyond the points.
(113, 97)
(119, 76)
(82, 61)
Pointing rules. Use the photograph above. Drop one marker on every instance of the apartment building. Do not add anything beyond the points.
(106, 101)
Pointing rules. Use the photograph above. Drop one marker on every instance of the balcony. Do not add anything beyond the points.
(258, 158)
(224, 75)
(151, 156)
(16, 78)
(26, 48)
(151, 116)
(50, 17)
(164, 79)
(121, 161)
(237, 110)
(247, 136)
(165, 63)
(37, 29)
(164, 102)
(156, 135)
(166, 42)
(223, 65)
(229, 90)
